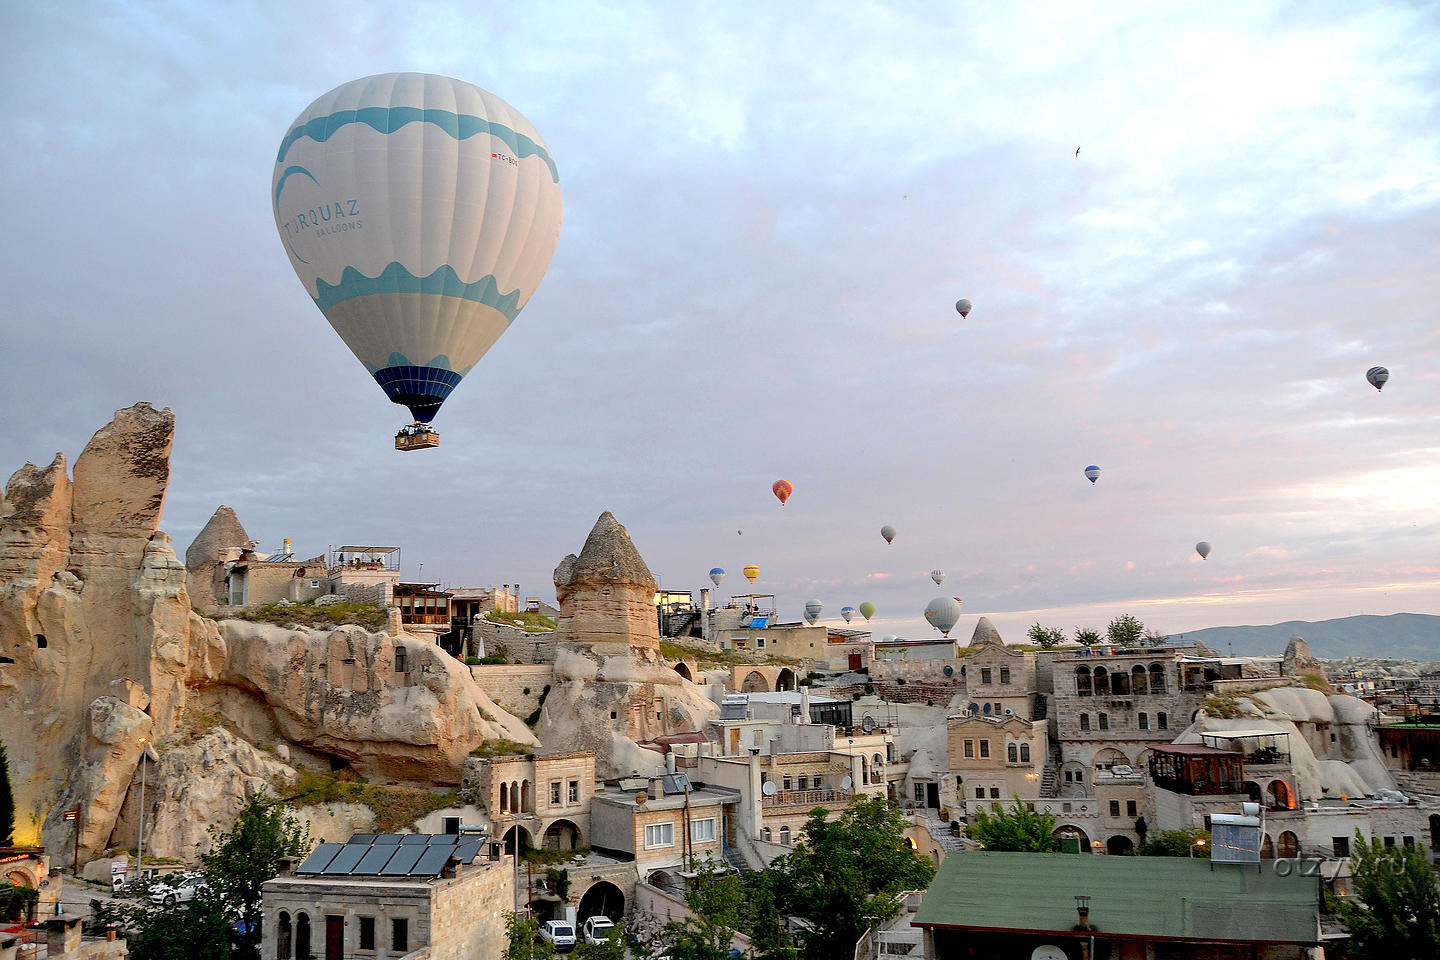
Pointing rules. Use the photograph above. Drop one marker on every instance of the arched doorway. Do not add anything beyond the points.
(603, 897)
(561, 835)
(1280, 796)
(1252, 790)
(666, 881)
(1110, 757)
(1119, 845)
(1289, 846)
(302, 935)
(514, 834)
(684, 671)
(1072, 832)
(754, 683)
(1267, 849)
(785, 679)
(1435, 831)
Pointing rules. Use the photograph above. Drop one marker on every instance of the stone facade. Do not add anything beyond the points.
(993, 758)
(1000, 679)
(653, 832)
(517, 688)
(546, 797)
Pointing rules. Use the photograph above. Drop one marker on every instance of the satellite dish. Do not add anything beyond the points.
(1047, 951)
(769, 788)
(846, 783)
(867, 723)
(949, 670)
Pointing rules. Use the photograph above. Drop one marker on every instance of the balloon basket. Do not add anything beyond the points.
(416, 437)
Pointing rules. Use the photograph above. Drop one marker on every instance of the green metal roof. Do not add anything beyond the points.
(1163, 897)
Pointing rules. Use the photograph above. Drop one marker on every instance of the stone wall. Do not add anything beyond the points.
(467, 919)
(521, 646)
(917, 669)
(516, 687)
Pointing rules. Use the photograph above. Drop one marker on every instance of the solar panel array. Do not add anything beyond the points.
(391, 855)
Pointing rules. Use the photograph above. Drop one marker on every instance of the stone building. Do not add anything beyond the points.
(999, 680)
(993, 758)
(389, 895)
(665, 826)
(543, 801)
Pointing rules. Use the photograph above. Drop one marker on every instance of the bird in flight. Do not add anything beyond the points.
(1077, 151)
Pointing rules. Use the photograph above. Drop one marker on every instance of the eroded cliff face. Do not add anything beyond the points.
(100, 647)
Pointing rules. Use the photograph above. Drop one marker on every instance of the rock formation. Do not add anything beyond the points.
(985, 632)
(606, 594)
(222, 534)
(1298, 660)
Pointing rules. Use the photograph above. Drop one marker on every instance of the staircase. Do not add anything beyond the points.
(940, 832)
(1050, 780)
(734, 858)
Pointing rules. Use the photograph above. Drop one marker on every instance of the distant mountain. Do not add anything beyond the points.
(1410, 635)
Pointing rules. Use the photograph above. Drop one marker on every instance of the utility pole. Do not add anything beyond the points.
(140, 842)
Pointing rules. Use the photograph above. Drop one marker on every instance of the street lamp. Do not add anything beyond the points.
(140, 841)
(1198, 845)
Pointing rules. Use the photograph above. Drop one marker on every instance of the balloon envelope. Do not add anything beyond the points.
(942, 612)
(1378, 377)
(1203, 549)
(867, 609)
(888, 532)
(420, 213)
(782, 490)
(938, 576)
(847, 613)
(716, 575)
(812, 610)
(962, 307)
(1092, 473)
(751, 572)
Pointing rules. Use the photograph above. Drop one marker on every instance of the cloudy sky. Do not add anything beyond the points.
(770, 212)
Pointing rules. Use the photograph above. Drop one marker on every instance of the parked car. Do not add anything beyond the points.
(560, 933)
(170, 894)
(597, 929)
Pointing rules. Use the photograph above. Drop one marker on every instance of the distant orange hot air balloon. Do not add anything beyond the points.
(751, 572)
(783, 489)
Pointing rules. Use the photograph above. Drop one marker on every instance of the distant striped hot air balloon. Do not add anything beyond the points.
(1378, 377)
(751, 571)
(942, 612)
(717, 574)
(782, 490)
(888, 532)
(847, 613)
(1092, 473)
(938, 576)
(812, 610)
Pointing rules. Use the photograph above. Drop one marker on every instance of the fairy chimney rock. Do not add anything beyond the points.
(606, 594)
(1299, 660)
(204, 560)
(985, 632)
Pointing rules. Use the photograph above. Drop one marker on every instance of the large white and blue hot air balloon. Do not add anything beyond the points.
(848, 613)
(717, 574)
(420, 212)
(812, 610)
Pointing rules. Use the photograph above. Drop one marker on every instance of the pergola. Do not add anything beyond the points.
(1197, 769)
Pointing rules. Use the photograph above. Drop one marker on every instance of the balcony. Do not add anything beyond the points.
(807, 798)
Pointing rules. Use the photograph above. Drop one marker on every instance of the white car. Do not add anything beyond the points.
(559, 933)
(182, 892)
(597, 929)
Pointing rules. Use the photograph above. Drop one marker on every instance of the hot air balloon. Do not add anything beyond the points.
(938, 576)
(888, 532)
(782, 490)
(942, 612)
(1378, 377)
(1203, 549)
(962, 307)
(812, 610)
(420, 213)
(1092, 473)
(751, 572)
(867, 609)
(847, 613)
(716, 575)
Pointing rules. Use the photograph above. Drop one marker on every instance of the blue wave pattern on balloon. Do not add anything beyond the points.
(387, 120)
(395, 278)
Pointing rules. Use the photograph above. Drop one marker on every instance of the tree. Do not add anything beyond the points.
(1154, 638)
(845, 875)
(1395, 910)
(7, 802)
(523, 939)
(1046, 637)
(1021, 830)
(1125, 631)
(1142, 829)
(1086, 637)
(611, 949)
(248, 854)
(715, 900)
(1193, 842)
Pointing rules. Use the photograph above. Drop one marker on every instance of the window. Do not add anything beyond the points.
(1144, 721)
(400, 934)
(1114, 808)
(765, 834)
(659, 835)
(555, 793)
(367, 933)
(1067, 776)
(1157, 678)
(994, 793)
(401, 665)
(1024, 753)
(919, 792)
(984, 749)
(702, 831)
(979, 793)
(1389, 842)
(759, 643)
(1409, 843)
(985, 673)
(1064, 808)
(574, 791)
(1004, 674)
(1082, 681)
(1162, 722)
(1084, 721)
(1012, 753)
(1341, 846)
(1129, 808)
(282, 937)
(969, 749)
(1104, 721)
(803, 783)
(785, 834)
(789, 784)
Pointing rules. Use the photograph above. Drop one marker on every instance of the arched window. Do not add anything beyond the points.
(1084, 721)
(1138, 684)
(1012, 753)
(1120, 683)
(302, 936)
(1162, 722)
(987, 710)
(282, 937)
(1157, 678)
(525, 802)
(1102, 681)
(1289, 846)
(1024, 753)
(765, 834)
(1082, 681)
(785, 835)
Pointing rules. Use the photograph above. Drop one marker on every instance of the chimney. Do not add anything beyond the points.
(1082, 908)
(805, 704)
(286, 541)
(670, 762)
